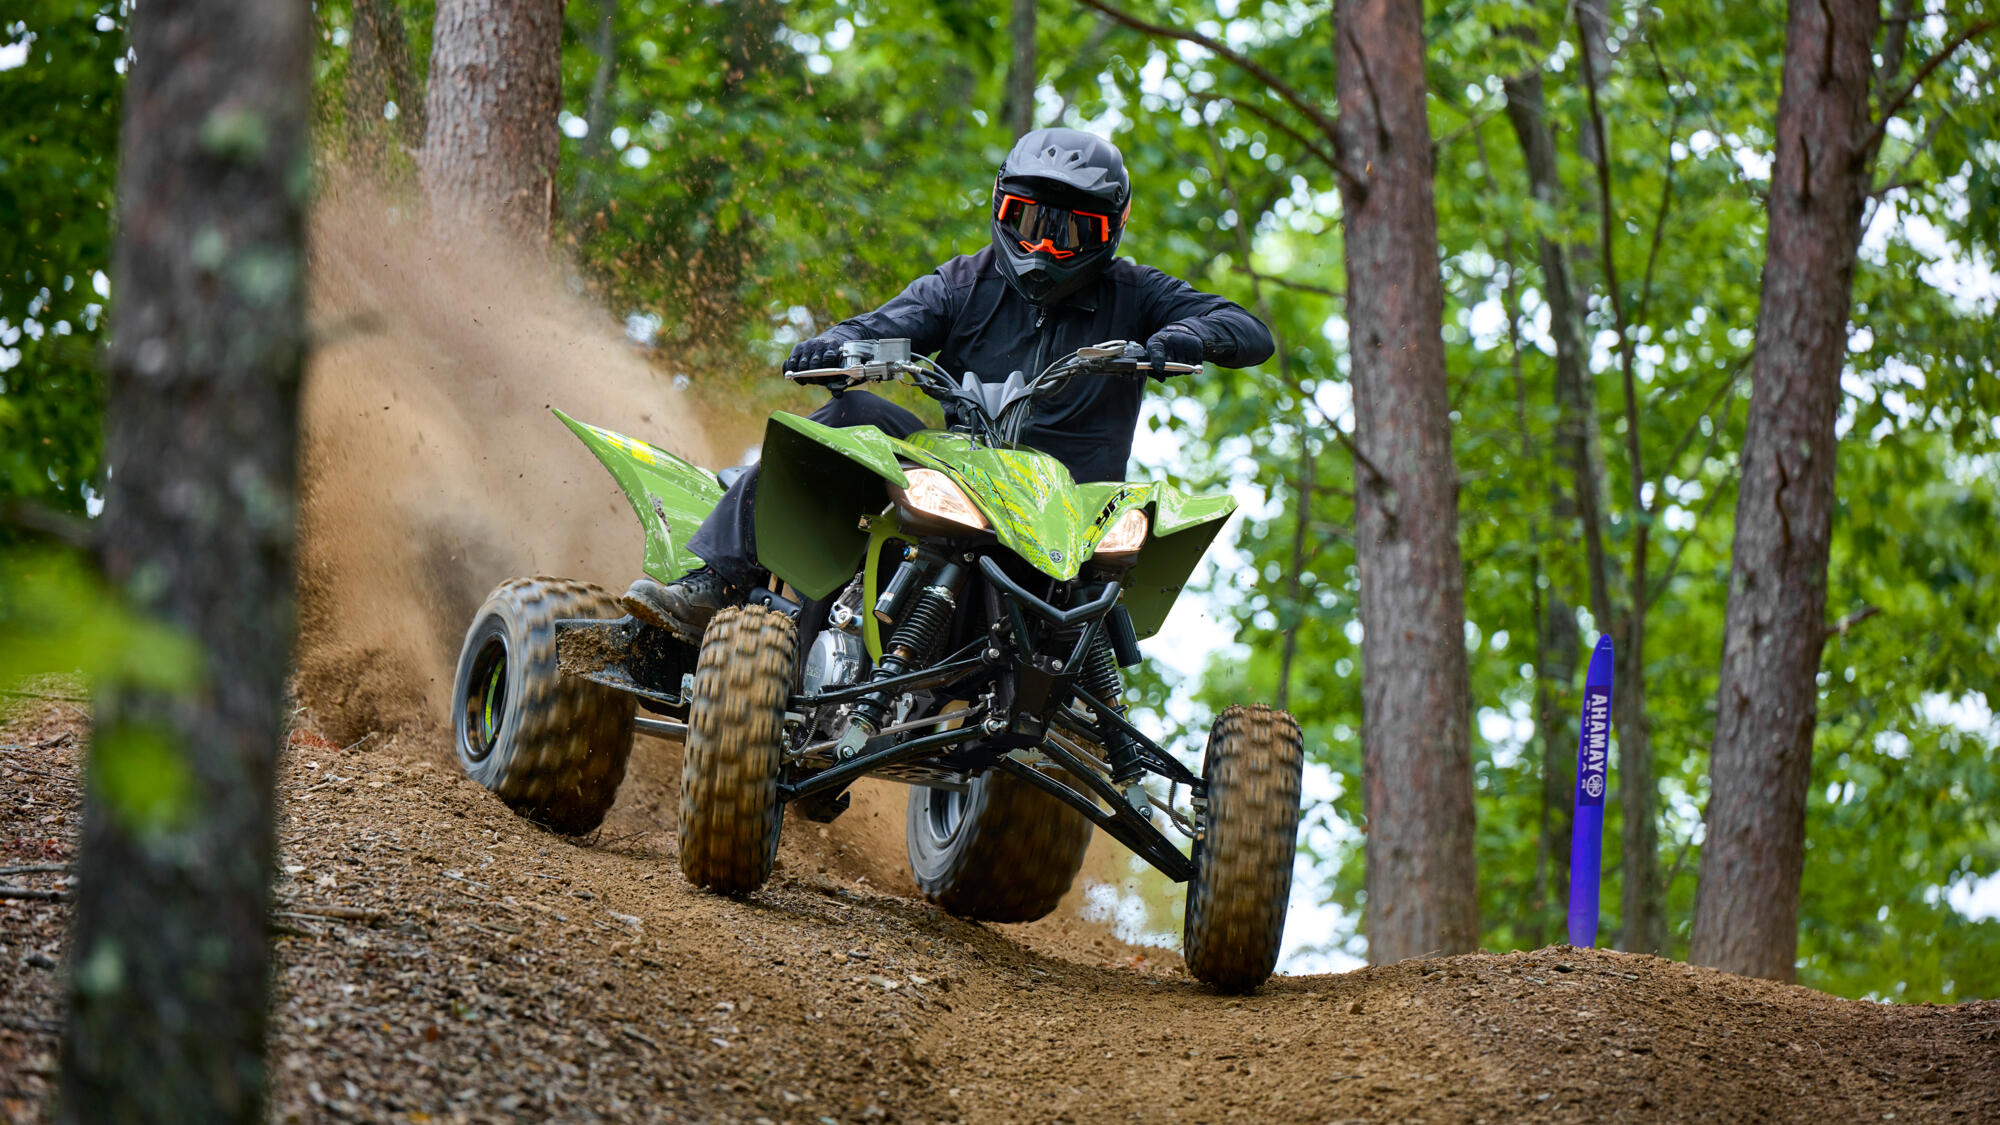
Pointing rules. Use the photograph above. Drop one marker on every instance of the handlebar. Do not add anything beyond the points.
(996, 409)
(1115, 357)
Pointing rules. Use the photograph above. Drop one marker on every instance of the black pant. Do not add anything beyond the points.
(727, 539)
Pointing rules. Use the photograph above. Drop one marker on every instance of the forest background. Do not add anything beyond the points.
(733, 176)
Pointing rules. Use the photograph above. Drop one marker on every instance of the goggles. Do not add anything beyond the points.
(1058, 231)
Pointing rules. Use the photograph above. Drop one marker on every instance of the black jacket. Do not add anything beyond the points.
(966, 313)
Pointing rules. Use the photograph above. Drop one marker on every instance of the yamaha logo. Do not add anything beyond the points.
(1055, 556)
(1594, 785)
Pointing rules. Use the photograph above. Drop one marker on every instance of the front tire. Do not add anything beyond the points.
(1004, 851)
(1243, 858)
(730, 812)
(553, 747)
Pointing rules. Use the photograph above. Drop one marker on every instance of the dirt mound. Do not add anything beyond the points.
(441, 960)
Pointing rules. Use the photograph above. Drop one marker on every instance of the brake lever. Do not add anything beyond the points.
(852, 376)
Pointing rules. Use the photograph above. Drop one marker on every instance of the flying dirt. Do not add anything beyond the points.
(433, 468)
(442, 960)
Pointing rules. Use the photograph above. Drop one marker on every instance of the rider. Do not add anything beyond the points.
(1047, 286)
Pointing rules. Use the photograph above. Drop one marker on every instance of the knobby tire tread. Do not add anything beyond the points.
(1020, 858)
(574, 737)
(1243, 863)
(730, 813)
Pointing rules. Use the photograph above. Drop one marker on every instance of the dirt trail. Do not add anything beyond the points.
(444, 961)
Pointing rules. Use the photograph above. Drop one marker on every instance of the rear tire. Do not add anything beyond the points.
(730, 812)
(1243, 859)
(552, 746)
(1003, 852)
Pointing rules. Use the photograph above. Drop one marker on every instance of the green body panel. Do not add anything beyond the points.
(819, 484)
(815, 485)
(823, 491)
(670, 496)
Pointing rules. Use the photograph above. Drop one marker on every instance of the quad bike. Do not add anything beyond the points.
(950, 611)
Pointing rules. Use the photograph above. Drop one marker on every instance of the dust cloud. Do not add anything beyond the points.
(432, 469)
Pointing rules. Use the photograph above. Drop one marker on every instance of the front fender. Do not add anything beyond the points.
(816, 484)
(1183, 528)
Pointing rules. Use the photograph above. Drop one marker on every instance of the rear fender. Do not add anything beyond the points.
(670, 496)
(815, 485)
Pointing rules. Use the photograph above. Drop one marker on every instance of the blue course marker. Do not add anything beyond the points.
(1593, 759)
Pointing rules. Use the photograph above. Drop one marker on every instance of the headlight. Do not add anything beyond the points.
(932, 493)
(1125, 536)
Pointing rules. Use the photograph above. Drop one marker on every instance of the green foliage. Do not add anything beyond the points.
(58, 159)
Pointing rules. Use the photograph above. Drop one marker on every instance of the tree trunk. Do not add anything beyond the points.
(1580, 506)
(1021, 73)
(1642, 920)
(1416, 757)
(1576, 395)
(1559, 650)
(378, 72)
(169, 963)
(490, 150)
(1746, 919)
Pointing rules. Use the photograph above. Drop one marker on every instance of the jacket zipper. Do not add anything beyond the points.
(1041, 341)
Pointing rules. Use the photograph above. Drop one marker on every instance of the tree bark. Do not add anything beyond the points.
(1746, 918)
(169, 962)
(378, 72)
(1022, 72)
(491, 145)
(1416, 741)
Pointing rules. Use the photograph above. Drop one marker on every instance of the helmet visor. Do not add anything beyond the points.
(1056, 230)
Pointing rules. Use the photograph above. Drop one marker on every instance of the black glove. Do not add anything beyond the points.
(1172, 344)
(810, 355)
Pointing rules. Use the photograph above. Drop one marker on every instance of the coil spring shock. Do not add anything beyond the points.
(1101, 679)
(921, 626)
(915, 638)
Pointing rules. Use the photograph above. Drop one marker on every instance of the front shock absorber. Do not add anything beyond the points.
(1101, 679)
(916, 637)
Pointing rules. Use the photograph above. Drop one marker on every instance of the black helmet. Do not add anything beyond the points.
(1059, 209)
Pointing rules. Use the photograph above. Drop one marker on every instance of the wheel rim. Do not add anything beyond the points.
(944, 814)
(485, 699)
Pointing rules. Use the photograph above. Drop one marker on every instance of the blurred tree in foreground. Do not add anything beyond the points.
(169, 956)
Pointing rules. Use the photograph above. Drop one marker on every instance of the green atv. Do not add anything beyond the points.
(950, 611)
